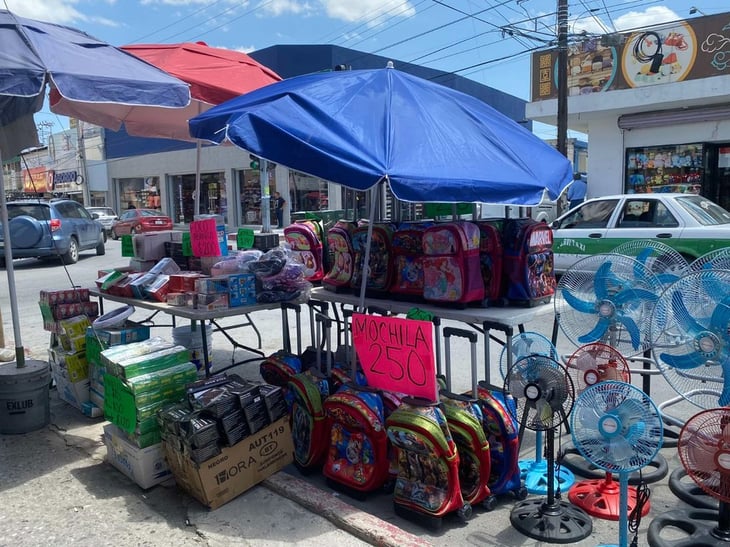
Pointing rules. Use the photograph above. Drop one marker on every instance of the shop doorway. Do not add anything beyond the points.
(718, 174)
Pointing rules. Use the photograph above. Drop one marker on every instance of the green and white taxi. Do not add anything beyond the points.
(691, 224)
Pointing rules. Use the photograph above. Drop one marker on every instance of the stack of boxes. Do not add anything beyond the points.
(228, 435)
(139, 379)
(214, 293)
(57, 305)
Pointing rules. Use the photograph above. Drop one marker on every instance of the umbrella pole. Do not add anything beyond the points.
(19, 352)
(265, 197)
(366, 258)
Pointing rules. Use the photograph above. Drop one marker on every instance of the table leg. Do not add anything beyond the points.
(204, 339)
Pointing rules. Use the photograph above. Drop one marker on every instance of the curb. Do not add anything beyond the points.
(346, 517)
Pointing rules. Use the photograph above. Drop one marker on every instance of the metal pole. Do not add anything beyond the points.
(562, 77)
(19, 352)
(265, 197)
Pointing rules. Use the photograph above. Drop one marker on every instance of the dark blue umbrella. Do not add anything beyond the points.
(100, 82)
(356, 128)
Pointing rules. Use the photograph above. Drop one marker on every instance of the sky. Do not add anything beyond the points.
(488, 41)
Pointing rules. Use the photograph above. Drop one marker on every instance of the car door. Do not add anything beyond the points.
(643, 216)
(124, 226)
(582, 232)
(78, 217)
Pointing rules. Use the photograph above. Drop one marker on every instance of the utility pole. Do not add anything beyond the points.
(563, 77)
(81, 151)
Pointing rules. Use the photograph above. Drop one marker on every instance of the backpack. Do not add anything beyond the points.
(490, 261)
(528, 261)
(357, 459)
(451, 270)
(381, 251)
(305, 240)
(408, 261)
(339, 243)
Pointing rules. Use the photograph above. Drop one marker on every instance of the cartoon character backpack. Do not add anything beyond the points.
(464, 416)
(305, 239)
(339, 243)
(306, 393)
(427, 486)
(408, 261)
(528, 261)
(357, 458)
(381, 252)
(502, 433)
(451, 270)
(490, 261)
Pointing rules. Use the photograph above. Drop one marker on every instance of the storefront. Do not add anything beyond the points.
(249, 190)
(141, 193)
(655, 103)
(213, 196)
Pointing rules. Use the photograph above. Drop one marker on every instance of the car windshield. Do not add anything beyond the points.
(704, 211)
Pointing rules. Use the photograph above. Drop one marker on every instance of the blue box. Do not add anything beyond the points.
(241, 289)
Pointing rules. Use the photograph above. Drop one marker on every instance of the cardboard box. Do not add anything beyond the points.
(237, 468)
(150, 246)
(145, 466)
(74, 393)
(241, 289)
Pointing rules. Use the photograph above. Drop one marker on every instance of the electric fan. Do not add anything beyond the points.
(607, 298)
(719, 259)
(533, 473)
(704, 450)
(690, 328)
(543, 395)
(666, 263)
(599, 497)
(617, 427)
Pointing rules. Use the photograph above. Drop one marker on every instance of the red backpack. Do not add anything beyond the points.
(305, 239)
(528, 261)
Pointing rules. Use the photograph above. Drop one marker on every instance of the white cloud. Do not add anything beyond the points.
(357, 10)
(651, 16)
(282, 7)
(51, 11)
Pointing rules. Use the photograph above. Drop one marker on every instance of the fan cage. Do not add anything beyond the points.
(691, 340)
(704, 450)
(596, 362)
(524, 344)
(664, 261)
(597, 402)
(542, 390)
(607, 298)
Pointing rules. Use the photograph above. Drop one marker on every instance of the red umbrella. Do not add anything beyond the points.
(215, 75)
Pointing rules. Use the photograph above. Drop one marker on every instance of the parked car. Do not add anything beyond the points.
(691, 224)
(139, 221)
(105, 215)
(55, 228)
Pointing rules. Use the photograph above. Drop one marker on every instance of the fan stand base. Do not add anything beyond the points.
(655, 471)
(699, 525)
(559, 522)
(687, 490)
(534, 475)
(600, 498)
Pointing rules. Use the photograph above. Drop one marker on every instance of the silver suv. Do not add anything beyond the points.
(56, 228)
(105, 215)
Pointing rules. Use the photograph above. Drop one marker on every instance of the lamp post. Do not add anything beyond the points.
(695, 9)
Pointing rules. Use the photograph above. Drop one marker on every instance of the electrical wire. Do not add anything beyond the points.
(643, 493)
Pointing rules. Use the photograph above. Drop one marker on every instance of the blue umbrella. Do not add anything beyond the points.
(356, 128)
(100, 82)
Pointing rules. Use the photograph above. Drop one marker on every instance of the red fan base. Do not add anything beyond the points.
(600, 498)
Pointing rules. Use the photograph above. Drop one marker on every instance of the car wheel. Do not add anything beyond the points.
(114, 235)
(137, 229)
(100, 248)
(72, 256)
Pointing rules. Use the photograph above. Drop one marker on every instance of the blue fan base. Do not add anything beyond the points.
(534, 475)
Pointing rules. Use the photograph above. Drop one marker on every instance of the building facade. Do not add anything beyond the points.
(655, 103)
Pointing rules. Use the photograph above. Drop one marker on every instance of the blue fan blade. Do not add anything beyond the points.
(627, 295)
(721, 317)
(598, 331)
(682, 362)
(725, 395)
(601, 280)
(577, 304)
(641, 261)
(632, 329)
(686, 323)
(667, 278)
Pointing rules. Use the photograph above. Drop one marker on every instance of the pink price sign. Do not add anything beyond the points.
(397, 354)
(204, 238)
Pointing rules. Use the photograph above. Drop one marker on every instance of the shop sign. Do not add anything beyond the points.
(63, 181)
(35, 180)
(672, 52)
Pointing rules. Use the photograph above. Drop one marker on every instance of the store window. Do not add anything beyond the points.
(308, 193)
(674, 168)
(249, 190)
(213, 196)
(140, 192)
